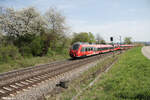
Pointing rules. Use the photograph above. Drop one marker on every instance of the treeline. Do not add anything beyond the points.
(27, 33)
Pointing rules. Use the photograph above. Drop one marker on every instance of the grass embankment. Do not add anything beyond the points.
(77, 85)
(129, 79)
(27, 62)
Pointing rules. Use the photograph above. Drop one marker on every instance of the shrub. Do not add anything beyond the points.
(51, 52)
(37, 46)
(9, 52)
(34, 48)
(26, 51)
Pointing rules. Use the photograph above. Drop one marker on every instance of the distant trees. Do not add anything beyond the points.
(83, 37)
(127, 40)
(99, 39)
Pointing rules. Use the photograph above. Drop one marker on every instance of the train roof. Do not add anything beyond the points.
(126, 45)
(85, 44)
(96, 45)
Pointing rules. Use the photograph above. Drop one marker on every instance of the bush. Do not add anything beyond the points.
(37, 46)
(51, 52)
(8, 53)
(26, 51)
(34, 48)
(62, 51)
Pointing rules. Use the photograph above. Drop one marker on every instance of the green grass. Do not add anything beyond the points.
(27, 62)
(129, 79)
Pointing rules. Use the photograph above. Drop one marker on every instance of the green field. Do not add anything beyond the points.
(128, 79)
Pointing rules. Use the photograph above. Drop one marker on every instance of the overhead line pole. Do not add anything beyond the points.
(111, 39)
(120, 42)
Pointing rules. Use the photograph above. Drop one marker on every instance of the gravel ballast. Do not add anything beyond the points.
(40, 90)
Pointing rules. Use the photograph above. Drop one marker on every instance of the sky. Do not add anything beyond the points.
(125, 18)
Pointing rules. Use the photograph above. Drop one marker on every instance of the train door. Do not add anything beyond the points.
(83, 51)
(86, 51)
(90, 50)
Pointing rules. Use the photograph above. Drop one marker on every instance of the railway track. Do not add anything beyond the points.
(18, 80)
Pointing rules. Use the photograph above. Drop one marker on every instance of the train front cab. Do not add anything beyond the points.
(80, 50)
(75, 50)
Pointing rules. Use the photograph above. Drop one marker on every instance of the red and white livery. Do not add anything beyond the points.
(84, 49)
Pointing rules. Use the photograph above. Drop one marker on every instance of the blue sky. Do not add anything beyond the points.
(105, 17)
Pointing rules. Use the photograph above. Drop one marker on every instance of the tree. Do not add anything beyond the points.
(55, 21)
(91, 38)
(99, 39)
(0, 38)
(8, 21)
(55, 28)
(19, 23)
(127, 40)
(83, 37)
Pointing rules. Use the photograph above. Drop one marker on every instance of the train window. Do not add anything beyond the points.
(95, 49)
(86, 49)
(83, 49)
(75, 46)
(89, 49)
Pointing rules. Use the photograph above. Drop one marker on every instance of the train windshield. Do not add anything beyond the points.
(75, 46)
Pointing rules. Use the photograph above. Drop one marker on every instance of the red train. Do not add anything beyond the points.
(85, 49)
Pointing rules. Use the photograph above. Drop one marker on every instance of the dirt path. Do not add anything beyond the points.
(146, 51)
